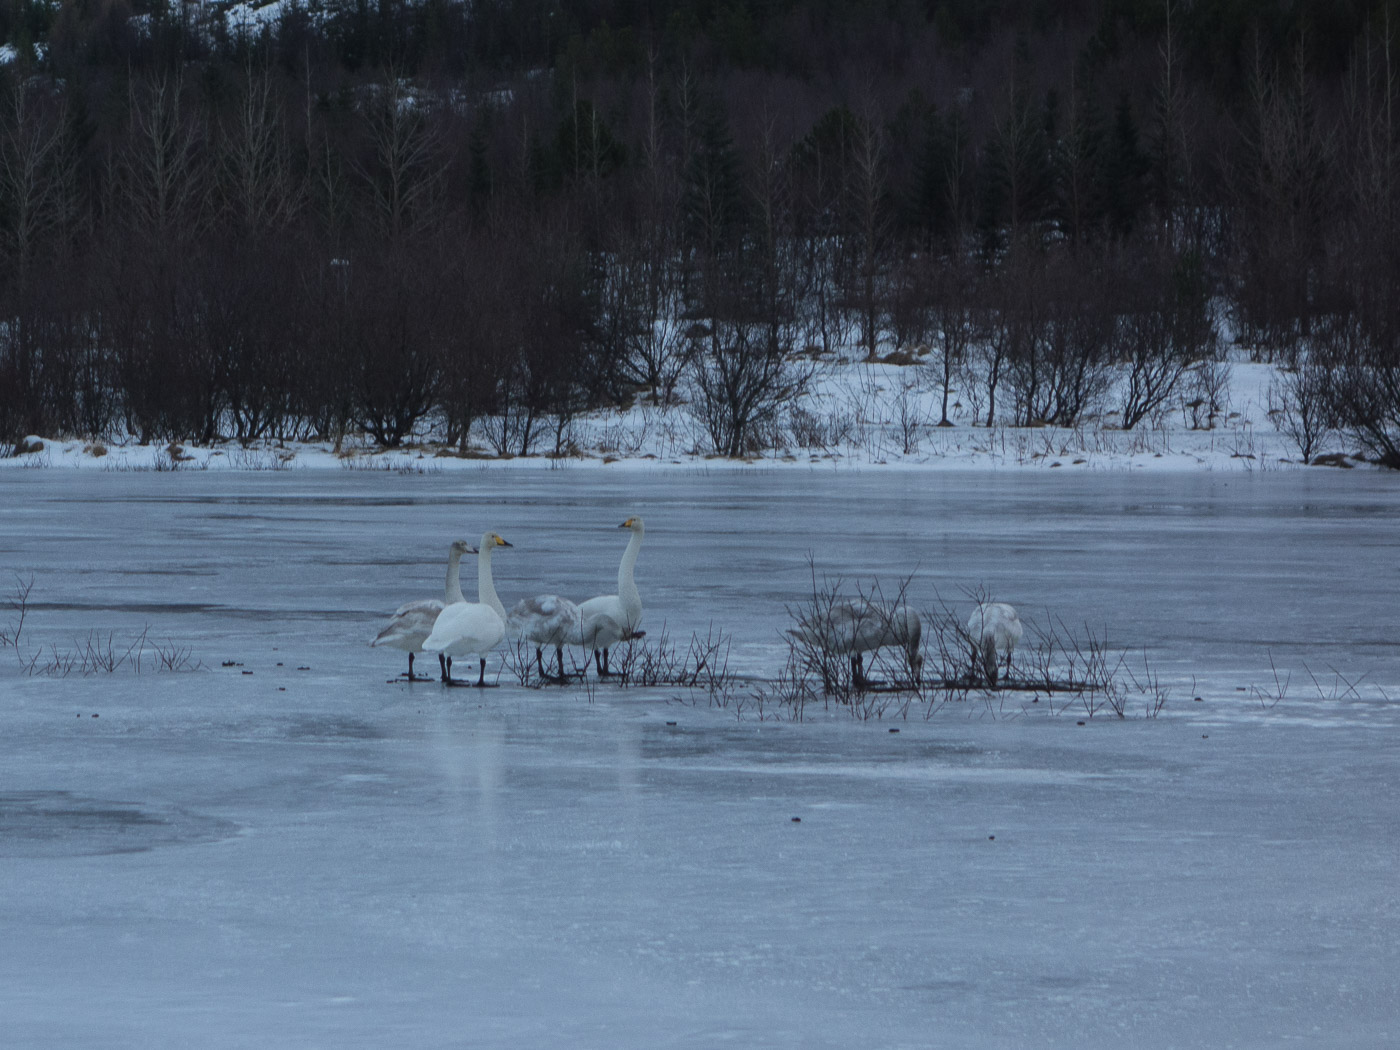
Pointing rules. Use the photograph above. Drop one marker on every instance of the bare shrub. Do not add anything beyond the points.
(641, 313)
(1061, 367)
(97, 653)
(655, 660)
(1207, 394)
(1167, 326)
(1270, 696)
(1299, 407)
(954, 315)
(19, 603)
(825, 431)
(833, 633)
(910, 420)
(1362, 382)
(740, 383)
(100, 653)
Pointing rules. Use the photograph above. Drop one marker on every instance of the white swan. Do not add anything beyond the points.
(546, 619)
(855, 628)
(993, 628)
(412, 622)
(471, 628)
(612, 618)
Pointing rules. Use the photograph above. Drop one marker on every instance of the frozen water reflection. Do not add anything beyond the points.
(330, 860)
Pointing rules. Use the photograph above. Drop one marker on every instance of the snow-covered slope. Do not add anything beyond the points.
(855, 415)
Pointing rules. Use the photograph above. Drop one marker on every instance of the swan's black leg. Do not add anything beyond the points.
(410, 667)
(539, 662)
(559, 650)
(447, 670)
(606, 669)
(442, 666)
(481, 676)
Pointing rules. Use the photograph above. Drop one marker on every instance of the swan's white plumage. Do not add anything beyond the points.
(546, 620)
(412, 622)
(993, 628)
(472, 628)
(612, 618)
(410, 625)
(853, 628)
(466, 629)
(604, 621)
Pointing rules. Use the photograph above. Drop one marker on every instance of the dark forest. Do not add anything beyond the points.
(478, 220)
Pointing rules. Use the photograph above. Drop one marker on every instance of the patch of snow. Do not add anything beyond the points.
(858, 416)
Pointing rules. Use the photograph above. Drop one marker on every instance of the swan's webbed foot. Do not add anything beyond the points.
(559, 652)
(410, 676)
(481, 682)
(461, 683)
(858, 678)
(600, 661)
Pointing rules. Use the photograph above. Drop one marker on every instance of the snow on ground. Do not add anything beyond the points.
(291, 852)
(863, 416)
(250, 16)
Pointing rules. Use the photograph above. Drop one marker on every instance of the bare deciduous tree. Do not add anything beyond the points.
(1299, 406)
(1166, 327)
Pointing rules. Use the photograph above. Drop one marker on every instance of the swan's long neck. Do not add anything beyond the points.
(626, 586)
(454, 578)
(485, 585)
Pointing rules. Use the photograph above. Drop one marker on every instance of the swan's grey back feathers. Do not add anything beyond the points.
(995, 627)
(546, 619)
(410, 625)
(858, 627)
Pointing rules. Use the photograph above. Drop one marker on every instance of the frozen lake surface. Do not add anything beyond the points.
(306, 856)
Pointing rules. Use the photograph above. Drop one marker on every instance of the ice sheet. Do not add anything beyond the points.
(216, 861)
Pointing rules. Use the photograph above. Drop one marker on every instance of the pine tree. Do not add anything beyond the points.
(1078, 155)
(712, 194)
(1124, 172)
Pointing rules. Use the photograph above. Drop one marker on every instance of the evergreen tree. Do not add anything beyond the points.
(1078, 157)
(1016, 174)
(712, 191)
(1124, 172)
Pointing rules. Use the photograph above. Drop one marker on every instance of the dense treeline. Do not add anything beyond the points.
(485, 218)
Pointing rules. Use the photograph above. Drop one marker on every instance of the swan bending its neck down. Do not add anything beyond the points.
(412, 622)
(612, 618)
(546, 619)
(992, 628)
(471, 628)
(855, 628)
